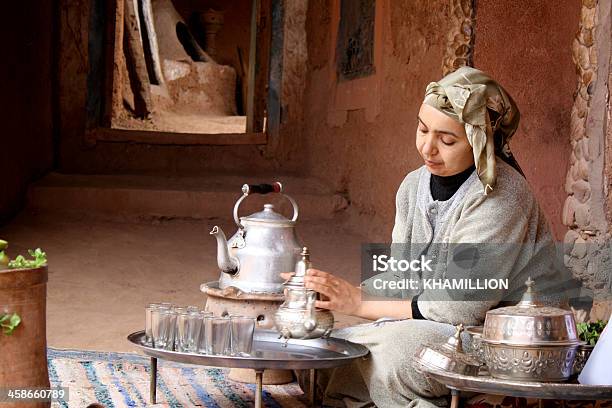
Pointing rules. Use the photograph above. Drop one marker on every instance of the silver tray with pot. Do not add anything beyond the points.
(485, 383)
(530, 341)
(477, 349)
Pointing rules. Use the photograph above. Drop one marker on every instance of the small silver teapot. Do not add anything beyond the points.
(264, 246)
(297, 317)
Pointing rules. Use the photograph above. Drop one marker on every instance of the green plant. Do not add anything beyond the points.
(590, 332)
(9, 322)
(39, 259)
(4, 260)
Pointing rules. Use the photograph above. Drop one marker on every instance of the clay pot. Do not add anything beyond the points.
(24, 352)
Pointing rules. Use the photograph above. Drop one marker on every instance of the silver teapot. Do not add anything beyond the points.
(264, 246)
(297, 317)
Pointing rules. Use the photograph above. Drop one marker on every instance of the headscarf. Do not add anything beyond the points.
(488, 113)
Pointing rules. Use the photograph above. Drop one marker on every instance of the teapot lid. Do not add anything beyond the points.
(268, 215)
(530, 323)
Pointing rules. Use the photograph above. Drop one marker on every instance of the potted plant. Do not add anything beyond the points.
(23, 339)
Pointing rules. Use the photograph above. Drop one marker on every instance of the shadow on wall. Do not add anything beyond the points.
(26, 147)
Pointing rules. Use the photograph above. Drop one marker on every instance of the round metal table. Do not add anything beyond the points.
(484, 383)
(269, 352)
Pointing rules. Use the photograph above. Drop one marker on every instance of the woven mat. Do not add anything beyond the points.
(122, 380)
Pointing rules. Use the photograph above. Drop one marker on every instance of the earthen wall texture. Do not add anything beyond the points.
(123, 158)
(26, 147)
(526, 45)
(365, 155)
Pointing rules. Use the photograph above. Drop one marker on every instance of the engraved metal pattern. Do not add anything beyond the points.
(530, 323)
(535, 329)
(582, 355)
(525, 363)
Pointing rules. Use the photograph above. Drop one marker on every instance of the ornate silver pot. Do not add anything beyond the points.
(530, 341)
(297, 317)
(264, 246)
(448, 356)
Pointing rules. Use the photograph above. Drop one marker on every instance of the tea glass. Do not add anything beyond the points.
(164, 333)
(217, 335)
(242, 330)
(201, 345)
(153, 322)
(188, 327)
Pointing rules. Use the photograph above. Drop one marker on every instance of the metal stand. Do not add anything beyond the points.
(153, 381)
(258, 387)
(454, 398)
(272, 354)
(312, 389)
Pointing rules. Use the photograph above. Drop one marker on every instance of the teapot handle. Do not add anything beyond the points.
(275, 187)
(310, 318)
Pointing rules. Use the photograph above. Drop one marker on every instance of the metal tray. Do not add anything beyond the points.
(269, 352)
(484, 383)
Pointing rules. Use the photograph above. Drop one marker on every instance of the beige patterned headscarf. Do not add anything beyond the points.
(489, 114)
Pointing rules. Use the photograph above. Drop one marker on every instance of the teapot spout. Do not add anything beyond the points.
(227, 263)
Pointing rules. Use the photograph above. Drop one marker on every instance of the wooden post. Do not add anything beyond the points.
(258, 387)
(275, 78)
(250, 112)
(454, 398)
(153, 381)
(136, 64)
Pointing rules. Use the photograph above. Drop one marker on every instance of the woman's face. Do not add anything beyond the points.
(442, 143)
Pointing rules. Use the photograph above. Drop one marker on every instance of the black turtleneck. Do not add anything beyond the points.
(444, 187)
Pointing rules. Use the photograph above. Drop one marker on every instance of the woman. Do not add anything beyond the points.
(470, 190)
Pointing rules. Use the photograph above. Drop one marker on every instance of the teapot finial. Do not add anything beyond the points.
(303, 264)
(454, 342)
(530, 296)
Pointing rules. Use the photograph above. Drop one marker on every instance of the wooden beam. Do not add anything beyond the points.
(250, 112)
(275, 78)
(262, 62)
(136, 64)
(180, 139)
(95, 74)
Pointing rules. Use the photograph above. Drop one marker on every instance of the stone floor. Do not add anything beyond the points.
(103, 271)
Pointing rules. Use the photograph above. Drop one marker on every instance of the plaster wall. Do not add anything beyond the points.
(360, 134)
(26, 144)
(367, 149)
(526, 46)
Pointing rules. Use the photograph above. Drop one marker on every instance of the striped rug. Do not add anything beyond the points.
(122, 380)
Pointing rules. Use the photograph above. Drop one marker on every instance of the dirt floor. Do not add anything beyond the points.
(165, 121)
(102, 272)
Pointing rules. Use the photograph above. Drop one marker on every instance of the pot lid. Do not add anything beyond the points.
(448, 356)
(530, 323)
(268, 215)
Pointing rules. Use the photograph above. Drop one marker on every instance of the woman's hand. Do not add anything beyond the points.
(336, 293)
(340, 296)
